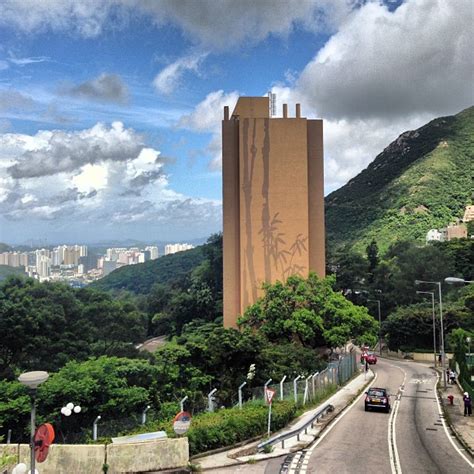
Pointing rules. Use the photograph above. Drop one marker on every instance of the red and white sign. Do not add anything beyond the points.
(182, 422)
(269, 394)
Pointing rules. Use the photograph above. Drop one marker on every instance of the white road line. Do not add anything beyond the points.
(448, 434)
(392, 435)
(333, 423)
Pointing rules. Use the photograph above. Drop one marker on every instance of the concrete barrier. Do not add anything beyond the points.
(169, 453)
(148, 456)
(69, 458)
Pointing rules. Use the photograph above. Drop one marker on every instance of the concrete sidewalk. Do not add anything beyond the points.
(462, 426)
(340, 400)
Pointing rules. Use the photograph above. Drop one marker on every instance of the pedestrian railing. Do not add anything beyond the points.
(297, 431)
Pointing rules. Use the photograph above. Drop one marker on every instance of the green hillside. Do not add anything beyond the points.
(141, 277)
(422, 180)
(6, 271)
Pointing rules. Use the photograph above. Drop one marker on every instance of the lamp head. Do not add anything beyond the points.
(33, 379)
(453, 280)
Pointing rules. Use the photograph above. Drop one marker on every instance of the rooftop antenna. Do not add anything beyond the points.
(272, 103)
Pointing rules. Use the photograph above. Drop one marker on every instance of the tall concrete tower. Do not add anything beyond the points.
(273, 194)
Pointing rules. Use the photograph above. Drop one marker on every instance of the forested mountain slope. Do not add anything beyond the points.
(422, 180)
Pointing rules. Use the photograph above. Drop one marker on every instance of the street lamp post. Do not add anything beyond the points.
(443, 355)
(434, 320)
(33, 380)
(380, 324)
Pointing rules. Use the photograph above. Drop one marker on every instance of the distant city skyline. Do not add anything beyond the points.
(110, 111)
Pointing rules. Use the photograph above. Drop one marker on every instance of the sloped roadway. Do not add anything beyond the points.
(411, 439)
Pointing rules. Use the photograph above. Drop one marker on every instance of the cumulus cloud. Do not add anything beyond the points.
(86, 18)
(206, 118)
(100, 176)
(384, 73)
(61, 151)
(168, 79)
(417, 58)
(105, 88)
(208, 114)
(216, 25)
(226, 23)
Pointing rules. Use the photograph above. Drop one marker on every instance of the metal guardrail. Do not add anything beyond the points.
(296, 432)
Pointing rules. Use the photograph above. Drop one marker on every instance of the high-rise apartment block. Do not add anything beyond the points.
(173, 248)
(273, 200)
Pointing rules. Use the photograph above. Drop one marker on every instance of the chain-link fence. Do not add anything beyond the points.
(303, 389)
(310, 388)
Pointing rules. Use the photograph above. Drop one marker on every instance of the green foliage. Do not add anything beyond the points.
(227, 427)
(419, 182)
(309, 312)
(411, 326)
(7, 271)
(47, 324)
(110, 386)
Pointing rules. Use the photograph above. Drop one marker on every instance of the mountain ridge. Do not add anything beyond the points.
(419, 181)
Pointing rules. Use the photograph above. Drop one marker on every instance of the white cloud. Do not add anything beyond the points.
(169, 78)
(213, 24)
(415, 59)
(208, 114)
(85, 18)
(226, 23)
(60, 151)
(99, 176)
(384, 73)
(206, 118)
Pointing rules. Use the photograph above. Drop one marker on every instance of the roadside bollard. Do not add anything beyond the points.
(451, 399)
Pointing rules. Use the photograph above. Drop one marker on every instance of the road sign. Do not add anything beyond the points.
(269, 394)
(182, 422)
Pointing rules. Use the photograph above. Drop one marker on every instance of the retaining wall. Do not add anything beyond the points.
(169, 453)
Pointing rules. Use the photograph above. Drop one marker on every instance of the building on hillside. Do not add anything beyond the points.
(173, 248)
(468, 214)
(436, 235)
(456, 231)
(153, 252)
(273, 200)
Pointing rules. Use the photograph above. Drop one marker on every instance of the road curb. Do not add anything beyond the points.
(448, 421)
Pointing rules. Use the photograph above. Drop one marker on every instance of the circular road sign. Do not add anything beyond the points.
(182, 422)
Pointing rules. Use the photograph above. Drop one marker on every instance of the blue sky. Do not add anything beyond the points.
(110, 110)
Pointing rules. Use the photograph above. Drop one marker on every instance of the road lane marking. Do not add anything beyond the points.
(333, 423)
(392, 435)
(448, 434)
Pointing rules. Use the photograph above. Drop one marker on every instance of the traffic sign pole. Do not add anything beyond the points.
(269, 393)
(269, 418)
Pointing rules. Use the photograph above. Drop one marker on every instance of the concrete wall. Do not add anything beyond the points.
(150, 456)
(123, 458)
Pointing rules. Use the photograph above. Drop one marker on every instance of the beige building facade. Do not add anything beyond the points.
(273, 200)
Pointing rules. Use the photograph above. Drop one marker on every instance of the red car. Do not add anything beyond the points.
(371, 358)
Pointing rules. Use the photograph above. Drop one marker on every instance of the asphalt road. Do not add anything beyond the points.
(411, 439)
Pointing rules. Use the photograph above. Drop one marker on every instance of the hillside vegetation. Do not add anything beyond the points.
(6, 271)
(422, 180)
(166, 270)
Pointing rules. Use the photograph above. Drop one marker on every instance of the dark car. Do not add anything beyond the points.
(371, 358)
(377, 398)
